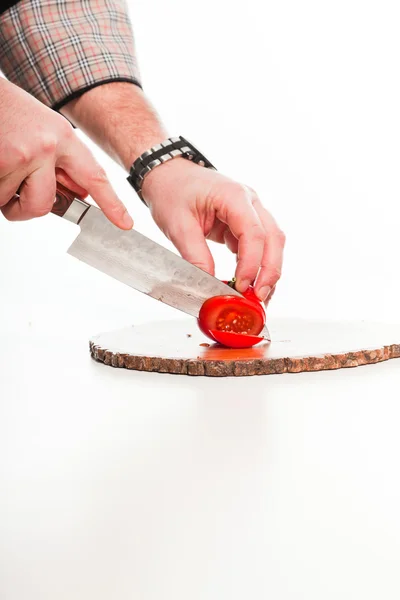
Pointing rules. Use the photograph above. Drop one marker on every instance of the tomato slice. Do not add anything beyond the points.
(231, 314)
(235, 340)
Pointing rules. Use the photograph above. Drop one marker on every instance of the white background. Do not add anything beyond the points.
(122, 485)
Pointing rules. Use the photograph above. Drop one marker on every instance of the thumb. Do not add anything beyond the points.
(191, 244)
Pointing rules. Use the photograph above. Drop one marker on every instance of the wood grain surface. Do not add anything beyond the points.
(297, 345)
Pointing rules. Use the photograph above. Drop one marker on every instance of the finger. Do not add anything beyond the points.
(221, 234)
(63, 178)
(230, 241)
(36, 196)
(268, 298)
(271, 264)
(192, 246)
(81, 166)
(217, 232)
(9, 186)
(245, 225)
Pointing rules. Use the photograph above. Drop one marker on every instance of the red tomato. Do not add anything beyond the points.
(250, 294)
(231, 314)
(235, 340)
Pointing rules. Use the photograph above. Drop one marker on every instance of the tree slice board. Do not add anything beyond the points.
(177, 346)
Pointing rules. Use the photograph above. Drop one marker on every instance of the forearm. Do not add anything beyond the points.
(119, 118)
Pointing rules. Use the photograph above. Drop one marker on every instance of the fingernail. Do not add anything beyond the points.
(263, 293)
(242, 285)
(127, 220)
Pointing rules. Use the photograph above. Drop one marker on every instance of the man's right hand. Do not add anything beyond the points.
(37, 147)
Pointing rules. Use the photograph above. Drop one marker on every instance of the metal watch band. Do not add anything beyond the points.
(160, 154)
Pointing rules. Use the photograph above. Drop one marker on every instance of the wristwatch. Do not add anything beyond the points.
(160, 154)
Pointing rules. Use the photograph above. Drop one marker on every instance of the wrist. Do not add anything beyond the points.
(165, 177)
(158, 156)
(145, 140)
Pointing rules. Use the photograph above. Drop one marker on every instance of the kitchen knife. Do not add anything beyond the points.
(137, 261)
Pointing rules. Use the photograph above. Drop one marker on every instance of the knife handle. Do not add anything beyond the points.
(69, 205)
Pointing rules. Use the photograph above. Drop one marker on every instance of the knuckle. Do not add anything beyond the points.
(231, 190)
(251, 196)
(244, 191)
(257, 233)
(115, 207)
(281, 237)
(98, 176)
(275, 274)
(22, 155)
(252, 193)
(48, 145)
(66, 129)
(116, 210)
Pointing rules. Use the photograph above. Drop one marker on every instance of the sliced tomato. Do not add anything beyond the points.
(235, 340)
(231, 314)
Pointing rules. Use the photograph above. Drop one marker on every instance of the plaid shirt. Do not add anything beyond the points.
(58, 49)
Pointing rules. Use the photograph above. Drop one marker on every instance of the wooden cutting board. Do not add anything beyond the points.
(297, 345)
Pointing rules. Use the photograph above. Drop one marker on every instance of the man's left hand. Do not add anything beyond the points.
(191, 204)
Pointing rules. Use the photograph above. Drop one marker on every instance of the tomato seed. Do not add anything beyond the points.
(232, 321)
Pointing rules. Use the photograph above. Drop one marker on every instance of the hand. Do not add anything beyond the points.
(38, 146)
(191, 203)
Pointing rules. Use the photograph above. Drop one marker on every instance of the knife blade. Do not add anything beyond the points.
(136, 260)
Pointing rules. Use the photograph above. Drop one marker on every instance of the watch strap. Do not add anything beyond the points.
(160, 154)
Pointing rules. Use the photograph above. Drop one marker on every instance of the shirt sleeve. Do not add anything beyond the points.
(58, 49)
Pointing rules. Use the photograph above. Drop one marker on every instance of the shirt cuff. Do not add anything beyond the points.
(56, 51)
